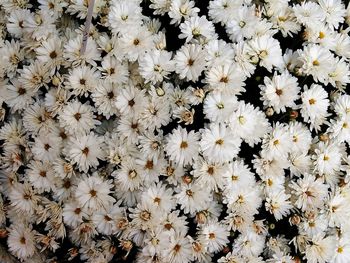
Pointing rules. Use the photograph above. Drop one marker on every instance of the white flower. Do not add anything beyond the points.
(309, 12)
(82, 80)
(219, 144)
(214, 236)
(190, 62)
(242, 25)
(342, 251)
(265, 51)
(321, 250)
(93, 193)
(198, 29)
(314, 106)
(218, 106)
(280, 92)
(77, 118)
(327, 159)
(277, 203)
(310, 192)
(334, 11)
(135, 43)
(182, 9)
(155, 65)
(226, 77)
(177, 250)
(220, 11)
(124, 16)
(249, 123)
(21, 241)
(182, 147)
(85, 151)
(316, 61)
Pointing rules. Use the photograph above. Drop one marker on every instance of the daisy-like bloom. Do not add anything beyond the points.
(104, 97)
(197, 29)
(17, 96)
(327, 159)
(72, 51)
(334, 11)
(36, 118)
(105, 220)
(82, 80)
(313, 224)
(219, 144)
(237, 175)
(21, 241)
(221, 11)
(41, 176)
(55, 99)
(34, 76)
(248, 123)
(209, 174)
(85, 151)
(182, 147)
(243, 59)
(136, 42)
(243, 200)
(77, 118)
(243, 23)
(155, 65)
(249, 245)
(278, 142)
(51, 53)
(285, 20)
(214, 236)
(12, 56)
(342, 106)
(182, 10)
(73, 213)
(192, 198)
(226, 77)
(156, 114)
(309, 191)
(151, 145)
(93, 193)
(124, 16)
(339, 75)
(15, 22)
(218, 52)
(218, 106)
(280, 92)
(321, 249)
(160, 197)
(129, 177)
(309, 12)
(316, 61)
(46, 147)
(23, 198)
(337, 210)
(277, 203)
(342, 251)
(265, 51)
(190, 62)
(114, 71)
(130, 100)
(144, 216)
(301, 137)
(178, 249)
(314, 106)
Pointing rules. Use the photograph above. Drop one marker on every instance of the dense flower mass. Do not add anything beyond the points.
(174, 131)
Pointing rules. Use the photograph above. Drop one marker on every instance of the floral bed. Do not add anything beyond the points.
(174, 131)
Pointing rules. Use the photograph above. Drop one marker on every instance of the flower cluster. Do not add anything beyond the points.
(187, 131)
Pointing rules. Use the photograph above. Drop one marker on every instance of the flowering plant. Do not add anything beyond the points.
(174, 131)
